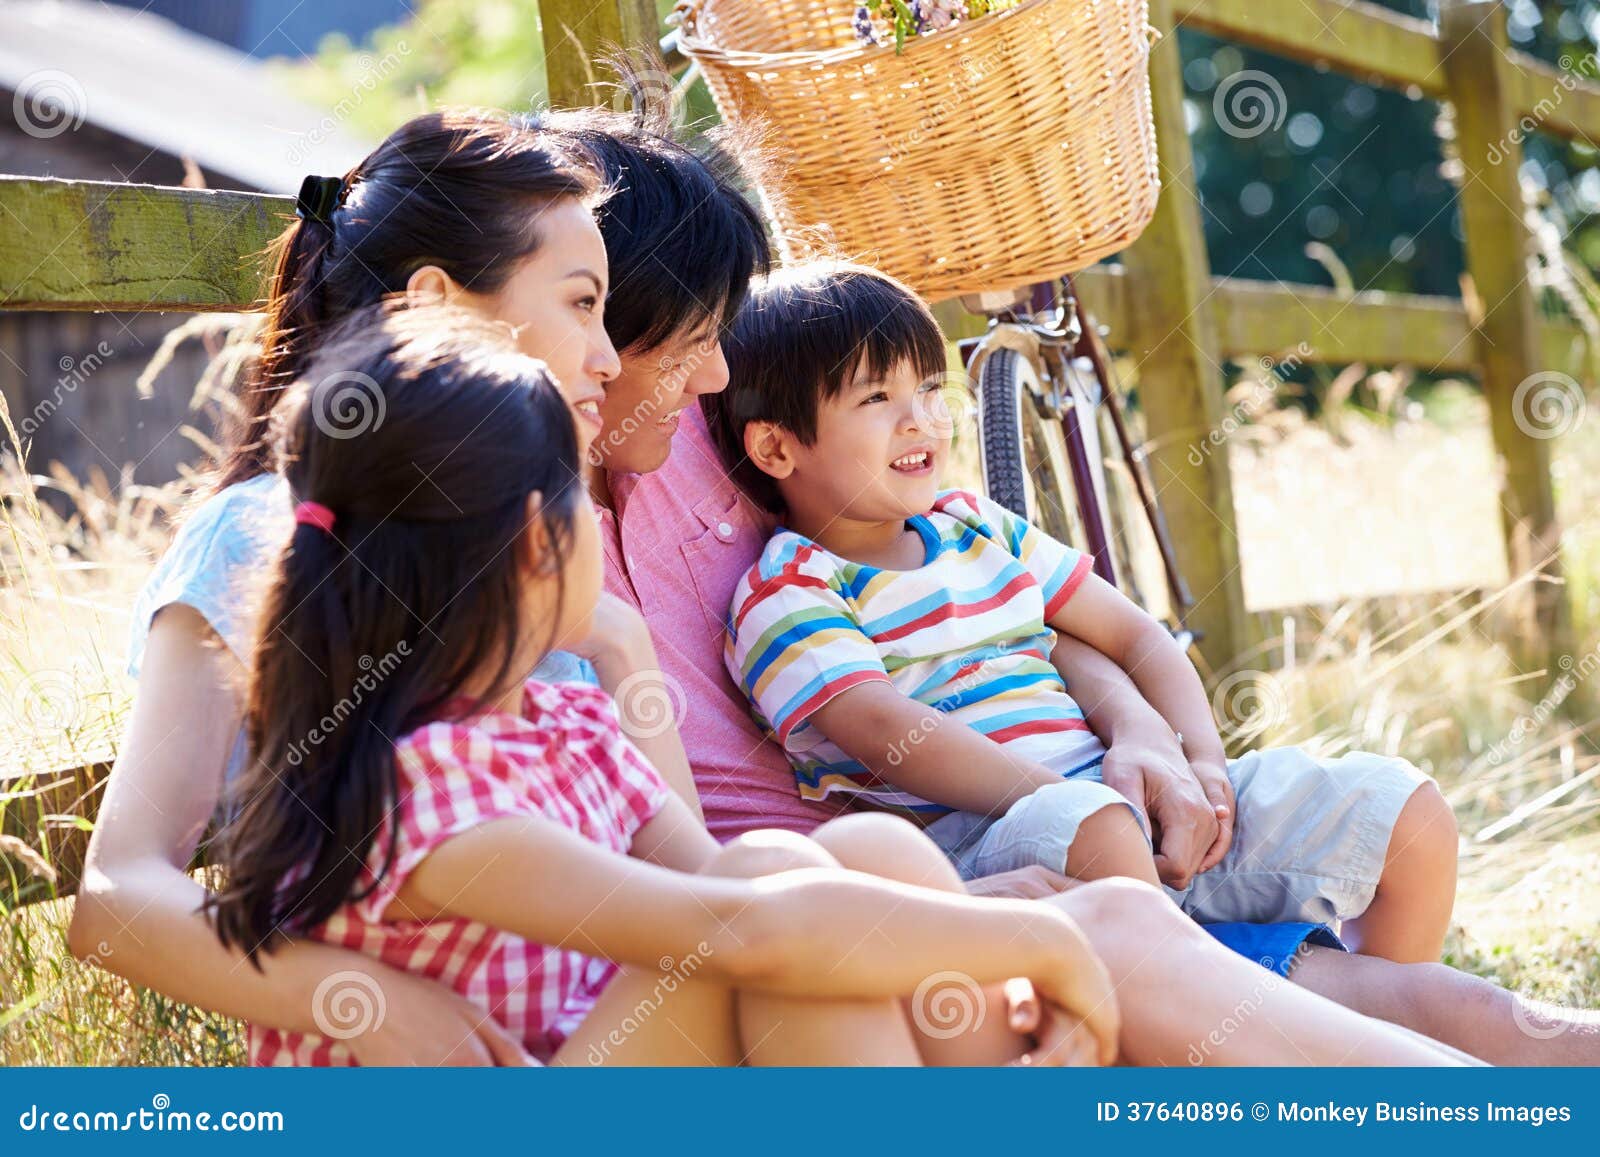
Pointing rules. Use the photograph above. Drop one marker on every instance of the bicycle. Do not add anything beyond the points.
(1046, 393)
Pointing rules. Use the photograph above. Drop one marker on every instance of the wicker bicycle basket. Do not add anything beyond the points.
(1006, 150)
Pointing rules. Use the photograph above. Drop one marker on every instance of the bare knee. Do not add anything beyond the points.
(887, 846)
(764, 852)
(1110, 843)
(1127, 911)
(1425, 832)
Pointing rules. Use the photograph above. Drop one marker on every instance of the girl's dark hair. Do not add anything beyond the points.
(424, 432)
(461, 190)
(798, 341)
(682, 236)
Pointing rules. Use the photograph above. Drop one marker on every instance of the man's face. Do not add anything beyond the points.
(643, 404)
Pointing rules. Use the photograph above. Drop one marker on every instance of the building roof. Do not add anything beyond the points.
(146, 79)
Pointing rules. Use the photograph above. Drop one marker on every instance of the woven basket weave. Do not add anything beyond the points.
(1006, 150)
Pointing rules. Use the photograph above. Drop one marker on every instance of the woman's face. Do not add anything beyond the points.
(555, 301)
(642, 404)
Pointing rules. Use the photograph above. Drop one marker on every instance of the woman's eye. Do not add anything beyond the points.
(588, 303)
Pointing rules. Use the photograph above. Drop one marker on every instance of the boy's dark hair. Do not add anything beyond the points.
(458, 189)
(682, 236)
(424, 432)
(799, 340)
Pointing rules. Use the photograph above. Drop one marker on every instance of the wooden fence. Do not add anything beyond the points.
(68, 245)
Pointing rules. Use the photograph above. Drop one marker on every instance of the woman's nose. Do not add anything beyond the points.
(603, 362)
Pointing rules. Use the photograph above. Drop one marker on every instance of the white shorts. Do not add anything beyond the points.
(1309, 841)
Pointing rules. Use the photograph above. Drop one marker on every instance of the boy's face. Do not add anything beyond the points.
(881, 445)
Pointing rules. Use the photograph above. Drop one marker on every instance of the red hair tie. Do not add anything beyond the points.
(314, 514)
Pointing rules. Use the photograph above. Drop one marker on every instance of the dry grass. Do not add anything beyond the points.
(1376, 505)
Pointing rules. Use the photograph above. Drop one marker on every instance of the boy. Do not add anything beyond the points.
(885, 611)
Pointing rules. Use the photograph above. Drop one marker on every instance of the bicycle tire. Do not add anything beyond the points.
(1023, 454)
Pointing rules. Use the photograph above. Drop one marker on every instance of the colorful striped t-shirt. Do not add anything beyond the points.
(965, 633)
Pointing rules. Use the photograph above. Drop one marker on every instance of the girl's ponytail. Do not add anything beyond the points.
(399, 587)
(461, 190)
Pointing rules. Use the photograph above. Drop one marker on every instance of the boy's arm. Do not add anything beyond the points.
(922, 751)
(1099, 615)
(1143, 762)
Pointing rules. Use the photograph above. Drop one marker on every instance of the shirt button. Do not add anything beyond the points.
(724, 530)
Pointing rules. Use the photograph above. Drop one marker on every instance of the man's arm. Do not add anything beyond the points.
(1100, 615)
(1144, 761)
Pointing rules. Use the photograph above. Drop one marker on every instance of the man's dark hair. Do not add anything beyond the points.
(798, 341)
(681, 234)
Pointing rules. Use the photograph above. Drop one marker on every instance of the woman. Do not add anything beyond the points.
(509, 211)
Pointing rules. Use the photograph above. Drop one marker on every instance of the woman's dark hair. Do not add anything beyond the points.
(799, 340)
(461, 190)
(682, 236)
(424, 432)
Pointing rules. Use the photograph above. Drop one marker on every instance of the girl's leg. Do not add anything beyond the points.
(1464, 1011)
(1185, 999)
(669, 1017)
(954, 1021)
(1410, 913)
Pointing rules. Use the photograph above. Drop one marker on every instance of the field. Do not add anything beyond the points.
(1387, 493)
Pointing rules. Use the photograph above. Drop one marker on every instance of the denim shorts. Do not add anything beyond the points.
(1310, 837)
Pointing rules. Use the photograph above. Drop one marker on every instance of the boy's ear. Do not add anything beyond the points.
(430, 284)
(770, 447)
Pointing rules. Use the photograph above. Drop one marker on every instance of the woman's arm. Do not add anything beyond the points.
(624, 658)
(815, 932)
(138, 910)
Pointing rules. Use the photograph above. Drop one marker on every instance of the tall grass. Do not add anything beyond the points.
(1427, 676)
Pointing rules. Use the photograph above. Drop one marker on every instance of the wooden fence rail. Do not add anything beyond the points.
(73, 245)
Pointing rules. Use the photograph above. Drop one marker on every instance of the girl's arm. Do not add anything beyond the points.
(647, 700)
(138, 910)
(1101, 616)
(815, 932)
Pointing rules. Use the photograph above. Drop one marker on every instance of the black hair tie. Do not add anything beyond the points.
(318, 198)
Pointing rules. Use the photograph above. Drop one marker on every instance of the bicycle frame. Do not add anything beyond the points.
(1071, 351)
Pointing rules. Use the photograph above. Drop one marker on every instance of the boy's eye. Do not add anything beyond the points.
(931, 386)
(875, 396)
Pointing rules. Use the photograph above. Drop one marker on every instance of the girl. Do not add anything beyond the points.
(411, 795)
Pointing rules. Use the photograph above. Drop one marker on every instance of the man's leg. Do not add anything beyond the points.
(1464, 1011)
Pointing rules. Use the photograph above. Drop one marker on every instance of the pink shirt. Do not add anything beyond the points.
(687, 536)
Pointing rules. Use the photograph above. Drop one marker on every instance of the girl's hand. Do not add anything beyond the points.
(1060, 1039)
(616, 630)
(423, 1023)
(1080, 990)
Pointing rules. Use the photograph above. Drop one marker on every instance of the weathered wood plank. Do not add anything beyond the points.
(1561, 100)
(94, 245)
(577, 31)
(1483, 86)
(1358, 39)
(1180, 375)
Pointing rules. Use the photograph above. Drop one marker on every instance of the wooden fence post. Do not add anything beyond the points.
(1522, 396)
(577, 31)
(1180, 376)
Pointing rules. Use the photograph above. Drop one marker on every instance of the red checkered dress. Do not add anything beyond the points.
(564, 758)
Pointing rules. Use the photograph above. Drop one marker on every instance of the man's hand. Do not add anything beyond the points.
(1218, 787)
(1151, 772)
(1034, 882)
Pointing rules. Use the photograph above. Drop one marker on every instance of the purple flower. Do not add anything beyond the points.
(863, 26)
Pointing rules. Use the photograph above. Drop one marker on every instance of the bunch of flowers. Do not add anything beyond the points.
(896, 21)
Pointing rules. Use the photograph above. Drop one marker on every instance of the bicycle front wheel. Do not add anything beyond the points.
(1023, 449)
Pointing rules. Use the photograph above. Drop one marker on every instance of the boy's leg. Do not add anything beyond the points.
(1079, 827)
(1321, 840)
(1410, 912)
